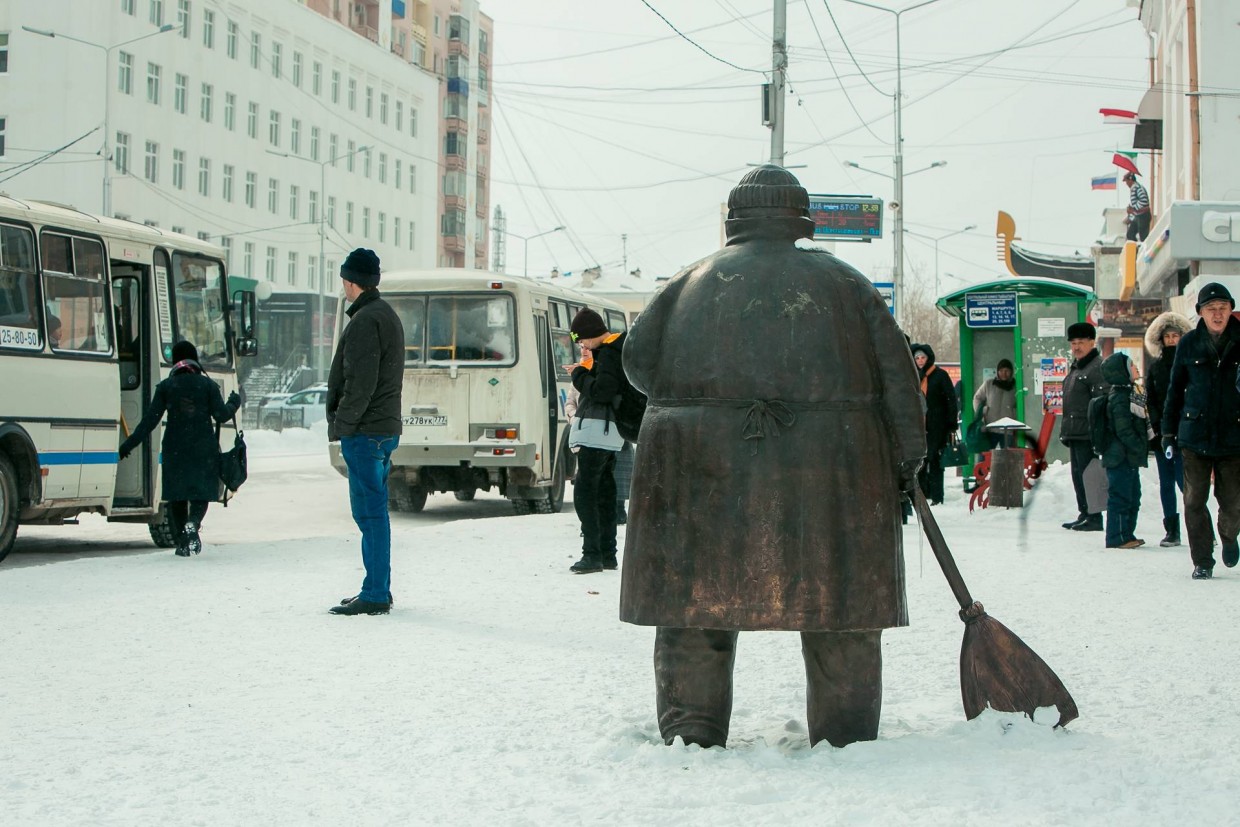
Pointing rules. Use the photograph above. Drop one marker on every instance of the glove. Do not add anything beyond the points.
(1169, 443)
(234, 400)
(907, 475)
(124, 454)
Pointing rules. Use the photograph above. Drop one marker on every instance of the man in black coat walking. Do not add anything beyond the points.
(1083, 383)
(942, 414)
(1202, 421)
(363, 413)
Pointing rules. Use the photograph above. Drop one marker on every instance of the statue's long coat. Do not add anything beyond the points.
(798, 528)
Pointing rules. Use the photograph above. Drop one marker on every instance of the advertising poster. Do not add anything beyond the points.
(1052, 398)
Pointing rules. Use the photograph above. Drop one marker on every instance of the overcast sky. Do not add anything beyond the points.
(607, 121)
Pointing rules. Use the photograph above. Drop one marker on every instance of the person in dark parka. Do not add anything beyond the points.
(191, 449)
(941, 418)
(1201, 419)
(784, 419)
(1126, 452)
(1162, 338)
(1083, 383)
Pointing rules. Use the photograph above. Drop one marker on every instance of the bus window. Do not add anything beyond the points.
(559, 315)
(19, 319)
(412, 313)
(198, 293)
(471, 329)
(563, 352)
(616, 322)
(75, 295)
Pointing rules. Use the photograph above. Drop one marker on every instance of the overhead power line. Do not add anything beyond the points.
(699, 46)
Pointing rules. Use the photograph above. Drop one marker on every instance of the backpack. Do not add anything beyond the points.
(1099, 425)
(630, 407)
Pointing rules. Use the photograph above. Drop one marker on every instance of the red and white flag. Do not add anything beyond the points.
(1119, 116)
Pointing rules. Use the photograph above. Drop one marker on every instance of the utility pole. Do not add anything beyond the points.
(897, 273)
(624, 243)
(779, 79)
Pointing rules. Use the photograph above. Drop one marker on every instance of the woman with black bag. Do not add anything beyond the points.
(941, 420)
(191, 451)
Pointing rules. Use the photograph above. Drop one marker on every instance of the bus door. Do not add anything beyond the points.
(133, 330)
(550, 394)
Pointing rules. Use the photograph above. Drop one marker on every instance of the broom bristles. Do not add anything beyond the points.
(998, 670)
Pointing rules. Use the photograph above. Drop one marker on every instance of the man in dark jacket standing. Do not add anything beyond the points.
(1202, 420)
(363, 412)
(942, 414)
(1083, 383)
(599, 380)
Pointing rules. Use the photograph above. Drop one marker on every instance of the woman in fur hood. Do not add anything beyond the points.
(1161, 339)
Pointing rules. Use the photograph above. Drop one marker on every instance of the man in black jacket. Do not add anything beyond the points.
(1083, 383)
(363, 413)
(1202, 421)
(599, 380)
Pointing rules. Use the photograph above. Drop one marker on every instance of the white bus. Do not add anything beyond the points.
(484, 391)
(90, 308)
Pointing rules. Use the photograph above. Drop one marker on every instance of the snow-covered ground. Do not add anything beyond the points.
(141, 688)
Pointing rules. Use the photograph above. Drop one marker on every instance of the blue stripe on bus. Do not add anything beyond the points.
(79, 458)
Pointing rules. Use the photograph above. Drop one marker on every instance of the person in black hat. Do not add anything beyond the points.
(363, 413)
(191, 451)
(1200, 422)
(1083, 383)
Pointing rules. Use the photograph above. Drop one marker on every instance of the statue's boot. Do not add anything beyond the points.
(693, 684)
(844, 695)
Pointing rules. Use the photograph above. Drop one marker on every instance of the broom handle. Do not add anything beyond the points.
(941, 552)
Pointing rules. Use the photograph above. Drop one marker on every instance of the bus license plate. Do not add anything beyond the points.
(424, 420)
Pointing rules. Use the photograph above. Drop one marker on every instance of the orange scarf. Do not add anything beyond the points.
(929, 371)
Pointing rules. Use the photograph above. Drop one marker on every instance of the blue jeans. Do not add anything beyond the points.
(369, 460)
(1170, 475)
(1123, 502)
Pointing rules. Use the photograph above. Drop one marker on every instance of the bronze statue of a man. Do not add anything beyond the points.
(784, 418)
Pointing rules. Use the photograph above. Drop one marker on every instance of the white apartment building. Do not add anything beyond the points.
(1189, 122)
(244, 123)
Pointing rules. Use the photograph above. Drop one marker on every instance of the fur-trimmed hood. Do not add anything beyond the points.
(1153, 334)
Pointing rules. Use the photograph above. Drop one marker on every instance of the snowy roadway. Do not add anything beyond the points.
(141, 688)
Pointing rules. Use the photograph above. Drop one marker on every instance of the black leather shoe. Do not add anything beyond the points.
(586, 565)
(1231, 553)
(1202, 573)
(1091, 523)
(357, 606)
(1074, 523)
(345, 601)
(610, 563)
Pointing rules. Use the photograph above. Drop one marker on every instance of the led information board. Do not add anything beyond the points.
(846, 217)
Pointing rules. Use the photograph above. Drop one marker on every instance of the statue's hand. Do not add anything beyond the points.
(907, 475)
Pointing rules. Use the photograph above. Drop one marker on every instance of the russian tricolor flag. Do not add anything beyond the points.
(1102, 182)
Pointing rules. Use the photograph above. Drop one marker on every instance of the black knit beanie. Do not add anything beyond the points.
(184, 350)
(587, 324)
(361, 268)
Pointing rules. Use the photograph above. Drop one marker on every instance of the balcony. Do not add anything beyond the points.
(458, 48)
(454, 202)
(454, 162)
(483, 136)
(456, 124)
(454, 243)
(458, 86)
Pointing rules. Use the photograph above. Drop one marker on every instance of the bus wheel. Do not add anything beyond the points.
(162, 532)
(465, 494)
(9, 506)
(523, 507)
(555, 494)
(407, 498)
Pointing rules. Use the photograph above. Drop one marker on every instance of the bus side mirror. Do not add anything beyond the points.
(247, 307)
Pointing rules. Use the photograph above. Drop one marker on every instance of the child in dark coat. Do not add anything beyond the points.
(1125, 450)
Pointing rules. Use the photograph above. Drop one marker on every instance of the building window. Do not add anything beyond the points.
(277, 58)
(227, 243)
(230, 43)
(332, 147)
(256, 42)
(271, 264)
(251, 120)
(183, 17)
(454, 143)
(205, 109)
(294, 198)
(314, 143)
(128, 7)
(331, 211)
(316, 78)
(436, 25)
(178, 169)
(382, 167)
(152, 83)
(150, 169)
(412, 232)
(273, 129)
(348, 161)
(208, 28)
(124, 72)
(482, 42)
(157, 12)
(382, 227)
(312, 206)
(365, 222)
(251, 188)
(400, 116)
(370, 101)
(482, 79)
(180, 92)
(383, 108)
(396, 231)
(249, 258)
(458, 67)
(228, 182)
(204, 177)
(452, 222)
(458, 28)
(294, 136)
(352, 95)
(292, 268)
(297, 59)
(273, 195)
(366, 163)
(312, 273)
(348, 216)
(121, 155)
(413, 178)
(230, 111)
(335, 86)
(396, 174)
(413, 122)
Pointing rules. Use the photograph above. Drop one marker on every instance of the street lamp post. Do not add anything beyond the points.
(897, 274)
(319, 357)
(525, 243)
(936, 240)
(107, 95)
